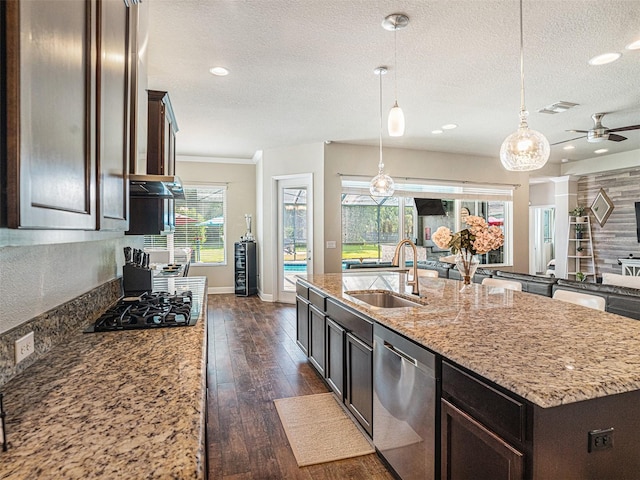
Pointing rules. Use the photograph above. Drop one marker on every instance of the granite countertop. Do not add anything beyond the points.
(125, 404)
(547, 351)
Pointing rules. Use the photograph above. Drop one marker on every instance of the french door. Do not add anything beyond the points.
(295, 233)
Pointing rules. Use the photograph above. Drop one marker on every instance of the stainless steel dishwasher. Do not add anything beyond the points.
(404, 404)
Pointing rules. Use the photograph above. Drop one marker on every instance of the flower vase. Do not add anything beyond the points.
(467, 264)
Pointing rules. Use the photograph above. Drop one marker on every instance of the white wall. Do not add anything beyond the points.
(274, 163)
(542, 194)
(362, 160)
(241, 199)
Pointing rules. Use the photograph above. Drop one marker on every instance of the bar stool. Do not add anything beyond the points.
(584, 299)
(507, 284)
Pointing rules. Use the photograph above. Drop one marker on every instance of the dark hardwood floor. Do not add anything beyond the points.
(254, 359)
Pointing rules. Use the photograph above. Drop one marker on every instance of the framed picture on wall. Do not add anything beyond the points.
(601, 207)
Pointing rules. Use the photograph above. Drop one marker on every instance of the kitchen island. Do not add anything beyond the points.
(123, 404)
(548, 380)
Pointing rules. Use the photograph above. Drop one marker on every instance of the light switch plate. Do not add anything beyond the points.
(24, 347)
(331, 244)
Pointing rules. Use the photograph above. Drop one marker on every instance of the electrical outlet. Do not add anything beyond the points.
(24, 347)
(600, 439)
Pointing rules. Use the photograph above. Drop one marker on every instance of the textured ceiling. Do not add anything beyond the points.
(302, 72)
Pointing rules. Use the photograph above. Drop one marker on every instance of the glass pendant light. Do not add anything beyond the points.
(381, 185)
(395, 123)
(525, 149)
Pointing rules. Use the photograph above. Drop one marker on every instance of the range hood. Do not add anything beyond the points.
(155, 186)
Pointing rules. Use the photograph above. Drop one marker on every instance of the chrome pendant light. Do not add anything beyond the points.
(381, 185)
(395, 22)
(525, 149)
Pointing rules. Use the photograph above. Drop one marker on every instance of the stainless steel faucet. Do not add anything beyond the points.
(396, 260)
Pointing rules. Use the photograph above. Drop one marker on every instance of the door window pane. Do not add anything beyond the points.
(294, 235)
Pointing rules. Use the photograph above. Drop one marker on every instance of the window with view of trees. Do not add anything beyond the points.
(200, 225)
(367, 224)
(372, 226)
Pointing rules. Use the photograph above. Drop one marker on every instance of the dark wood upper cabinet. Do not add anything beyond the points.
(114, 105)
(161, 139)
(66, 108)
(156, 216)
(50, 115)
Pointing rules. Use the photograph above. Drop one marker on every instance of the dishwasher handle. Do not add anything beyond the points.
(400, 353)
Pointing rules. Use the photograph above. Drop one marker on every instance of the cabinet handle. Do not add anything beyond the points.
(400, 353)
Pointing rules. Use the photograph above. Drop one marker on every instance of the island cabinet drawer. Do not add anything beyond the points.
(318, 299)
(503, 414)
(352, 322)
(302, 290)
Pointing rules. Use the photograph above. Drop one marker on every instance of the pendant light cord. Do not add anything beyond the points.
(523, 109)
(380, 164)
(395, 60)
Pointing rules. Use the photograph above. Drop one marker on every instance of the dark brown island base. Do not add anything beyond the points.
(525, 387)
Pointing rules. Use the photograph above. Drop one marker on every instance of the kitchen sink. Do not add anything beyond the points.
(385, 299)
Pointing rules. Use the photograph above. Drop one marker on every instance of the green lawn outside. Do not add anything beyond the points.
(210, 254)
(349, 252)
(356, 252)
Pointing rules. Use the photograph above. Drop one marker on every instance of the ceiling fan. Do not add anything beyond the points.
(600, 133)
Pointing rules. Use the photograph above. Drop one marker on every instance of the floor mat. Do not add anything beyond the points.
(319, 430)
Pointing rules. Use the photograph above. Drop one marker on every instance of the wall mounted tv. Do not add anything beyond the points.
(429, 206)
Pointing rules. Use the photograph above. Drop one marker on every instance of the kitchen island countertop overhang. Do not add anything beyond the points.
(546, 351)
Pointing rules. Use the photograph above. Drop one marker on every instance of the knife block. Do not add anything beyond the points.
(136, 280)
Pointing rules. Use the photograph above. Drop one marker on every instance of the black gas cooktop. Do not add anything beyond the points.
(149, 310)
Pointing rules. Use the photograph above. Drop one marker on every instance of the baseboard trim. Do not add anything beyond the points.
(265, 297)
(220, 290)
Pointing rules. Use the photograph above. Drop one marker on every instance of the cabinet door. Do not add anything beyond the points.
(114, 33)
(302, 324)
(162, 127)
(252, 269)
(240, 268)
(470, 451)
(359, 391)
(51, 87)
(334, 368)
(316, 338)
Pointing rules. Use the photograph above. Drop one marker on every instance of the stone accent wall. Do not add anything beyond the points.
(54, 326)
(617, 238)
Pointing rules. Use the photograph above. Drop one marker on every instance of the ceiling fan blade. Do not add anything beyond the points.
(577, 131)
(616, 138)
(570, 140)
(625, 129)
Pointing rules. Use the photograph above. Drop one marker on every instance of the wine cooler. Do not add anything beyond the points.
(246, 273)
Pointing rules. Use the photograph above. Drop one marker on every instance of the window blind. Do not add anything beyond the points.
(200, 224)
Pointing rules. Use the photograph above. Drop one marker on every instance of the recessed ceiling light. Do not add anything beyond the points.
(633, 45)
(569, 147)
(219, 71)
(604, 58)
(449, 126)
(601, 150)
(565, 160)
(437, 132)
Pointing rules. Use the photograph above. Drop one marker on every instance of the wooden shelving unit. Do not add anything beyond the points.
(580, 256)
